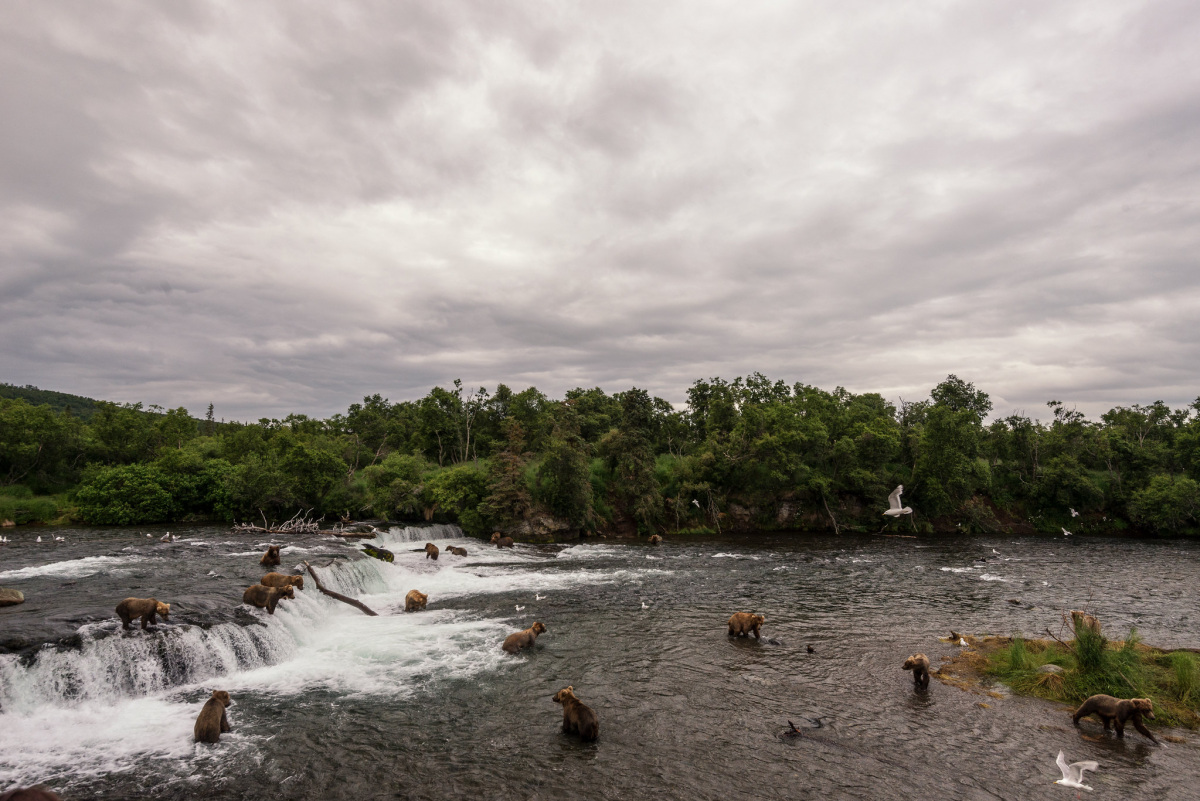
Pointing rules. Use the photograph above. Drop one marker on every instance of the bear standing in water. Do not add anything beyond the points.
(415, 601)
(501, 542)
(271, 557)
(212, 721)
(919, 665)
(456, 550)
(578, 717)
(280, 580)
(1115, 710)
(742, 623)
(266, 597)
(523, 639)
(146, 608)
(431, 551)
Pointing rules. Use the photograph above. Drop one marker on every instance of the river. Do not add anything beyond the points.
(332, 704)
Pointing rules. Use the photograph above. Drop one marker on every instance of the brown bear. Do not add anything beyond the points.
(38, 793)
(415, 601)
(502, 542)
(742, 623)
(271, 557)
(266, 597)
(280, 580)
(919, 665)
(578, 717)
(212, 721)
(456, 550)
(1112, 710)
(431, 551)
(523, 639)
(147, 608)
(1085, 620)
(655, 539)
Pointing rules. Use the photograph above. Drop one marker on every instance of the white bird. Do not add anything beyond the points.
(1066, 533)
(894, 503)
(148, 535)
(59, 539)
(695, 503)
(167, 538)
(520, 608)
(1073, 512)
(39, 539)
(537, 596)
(644, 605)
(995, 552)
(963, 642)
(1072, 775)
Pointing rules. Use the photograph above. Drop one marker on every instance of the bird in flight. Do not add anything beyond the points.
(895, 509)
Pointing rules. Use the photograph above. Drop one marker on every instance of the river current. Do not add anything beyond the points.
(332, 704)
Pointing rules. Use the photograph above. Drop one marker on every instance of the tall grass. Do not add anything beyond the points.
(22, 510)
(1185, 677)
(1089, 649)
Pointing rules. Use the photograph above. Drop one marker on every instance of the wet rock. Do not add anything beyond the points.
(539, 528)
(1055, 669)
(774, 641)
(383, 554)
(11, 597)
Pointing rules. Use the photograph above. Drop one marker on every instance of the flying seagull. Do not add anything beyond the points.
(1072, 775)
(894, 503)
(1073, 512)
(695, 503)
(519, 607)
(1066, 533)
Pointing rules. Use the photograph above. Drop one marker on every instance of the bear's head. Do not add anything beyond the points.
(223, 697)
(496, 537)
(563, 694)
(285, 592)
(538, 627)
(915, 660)
(760, 619)
(162, 609)
(1144, 706)
(298, 582)
(273, 550)
(430, 548)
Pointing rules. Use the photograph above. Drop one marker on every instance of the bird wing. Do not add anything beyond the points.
(1063, 766)
(894, 498)
(1082, 766)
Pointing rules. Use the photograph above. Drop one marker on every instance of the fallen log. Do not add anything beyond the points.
(344, 599)
(382, 554)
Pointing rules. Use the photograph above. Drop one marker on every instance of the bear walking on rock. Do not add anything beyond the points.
(919, 665)
(146, 608)
(1116, 711)
(281, 580)
(742, 623)
(271, 557)
(523, 639)
(266, 597)
(213, 721)
(578, 717)
(415, 601)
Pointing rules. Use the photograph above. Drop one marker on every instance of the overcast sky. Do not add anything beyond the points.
(282, 206)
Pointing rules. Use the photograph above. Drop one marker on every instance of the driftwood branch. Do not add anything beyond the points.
(831, 517)
(344, 599)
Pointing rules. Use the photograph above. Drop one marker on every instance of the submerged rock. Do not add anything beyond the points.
(11, 597)
(382, 554)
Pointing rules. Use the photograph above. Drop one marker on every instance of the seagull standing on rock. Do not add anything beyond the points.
(1072, 775)
(894, 503)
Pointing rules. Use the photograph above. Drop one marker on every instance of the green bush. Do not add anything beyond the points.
(25, 508)
(126, 495)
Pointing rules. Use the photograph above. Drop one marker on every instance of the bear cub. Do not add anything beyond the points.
(523, 639)
(146, 608)
(271, 557)
(280, 580)
(741, 624)
(266, 597)
(919, 665)
(1115, 710)
(212, 721)
(578, 717)
(415, 601)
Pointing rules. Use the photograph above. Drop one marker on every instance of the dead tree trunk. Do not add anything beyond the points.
(344, 599)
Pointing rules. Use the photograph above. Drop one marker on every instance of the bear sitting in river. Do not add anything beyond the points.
(1115, 710)
(742, 623)
(271, 557)
(147, 608)
(266, 597)
(454, 549)
(919, 665)
(415, 601)
(280, 580)
(212, 720)
(523, 639)
(578, 717)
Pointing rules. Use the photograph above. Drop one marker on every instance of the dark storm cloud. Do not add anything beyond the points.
(281, 207)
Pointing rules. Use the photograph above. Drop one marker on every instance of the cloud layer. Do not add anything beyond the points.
(282, 206)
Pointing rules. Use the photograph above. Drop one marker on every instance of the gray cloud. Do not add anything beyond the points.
(282, 207)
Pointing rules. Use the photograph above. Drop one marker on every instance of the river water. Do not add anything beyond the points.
(332, 704)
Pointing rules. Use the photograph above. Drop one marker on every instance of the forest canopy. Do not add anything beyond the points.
(750, 453)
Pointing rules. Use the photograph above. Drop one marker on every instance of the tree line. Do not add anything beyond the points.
(750, 453)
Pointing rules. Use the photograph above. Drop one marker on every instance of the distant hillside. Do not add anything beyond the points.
(80, 406)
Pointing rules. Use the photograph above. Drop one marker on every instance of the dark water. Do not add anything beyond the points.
(330, 703)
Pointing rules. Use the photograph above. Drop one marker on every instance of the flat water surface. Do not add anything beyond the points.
(332, 704)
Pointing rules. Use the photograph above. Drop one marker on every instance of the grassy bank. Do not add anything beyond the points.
(1090, 664)
(23, 507)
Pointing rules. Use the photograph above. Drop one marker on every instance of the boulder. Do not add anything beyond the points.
(383, 554)
(1055, 669)
(11, 597)
(539, 528)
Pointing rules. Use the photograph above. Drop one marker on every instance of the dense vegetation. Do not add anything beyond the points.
(747, 453)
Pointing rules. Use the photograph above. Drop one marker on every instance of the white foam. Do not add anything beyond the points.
(733, 556)
(73, 568)
(956, 569)
(990, 577)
